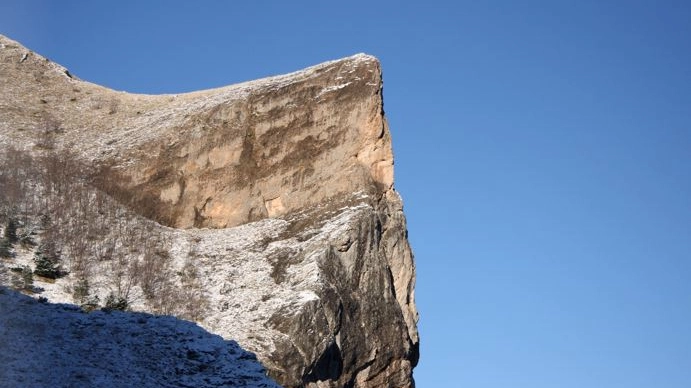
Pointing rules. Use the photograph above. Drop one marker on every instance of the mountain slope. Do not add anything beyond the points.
(47, 345)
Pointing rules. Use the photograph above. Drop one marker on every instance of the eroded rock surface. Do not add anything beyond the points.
(282, 188)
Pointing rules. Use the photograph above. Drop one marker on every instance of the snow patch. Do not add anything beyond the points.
(333, 88)
(307, 296)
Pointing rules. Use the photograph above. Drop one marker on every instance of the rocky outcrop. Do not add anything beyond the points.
(282, 188)
(338, 309)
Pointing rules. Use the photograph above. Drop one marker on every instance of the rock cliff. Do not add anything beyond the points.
(279, 191)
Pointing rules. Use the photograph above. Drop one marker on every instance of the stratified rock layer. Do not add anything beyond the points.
(283, 187)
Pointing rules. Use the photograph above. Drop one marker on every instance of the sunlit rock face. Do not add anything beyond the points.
(282, 188)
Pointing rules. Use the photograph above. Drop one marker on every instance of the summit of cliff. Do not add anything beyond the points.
(264, 211)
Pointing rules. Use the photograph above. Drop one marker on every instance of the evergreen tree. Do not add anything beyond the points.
(5, 248)
(27, 278)
(11, 231)
(47, 260)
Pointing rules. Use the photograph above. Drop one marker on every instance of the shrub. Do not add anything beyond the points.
(115, 303)
(27, 240)
(82, 295)
(91, 304)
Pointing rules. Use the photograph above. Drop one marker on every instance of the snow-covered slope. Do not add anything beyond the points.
(58, 345)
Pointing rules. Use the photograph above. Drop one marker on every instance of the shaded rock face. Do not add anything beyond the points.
(282, 186)
(362, 307)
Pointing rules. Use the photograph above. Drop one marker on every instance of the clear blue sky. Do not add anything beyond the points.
(543, 150)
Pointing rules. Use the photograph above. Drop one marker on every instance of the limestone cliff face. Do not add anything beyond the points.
(278, 147)
(284, 188)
